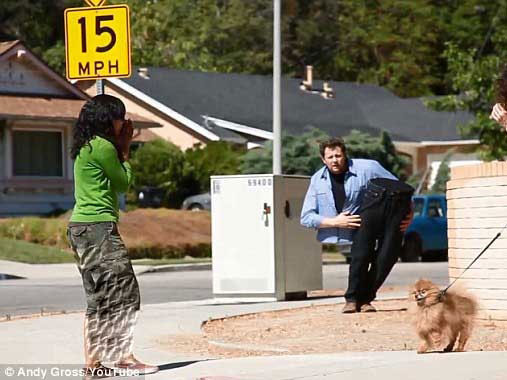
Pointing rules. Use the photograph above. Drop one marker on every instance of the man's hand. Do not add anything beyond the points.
(125, 138)
(499, 115)
(345, 220)
(406, 222)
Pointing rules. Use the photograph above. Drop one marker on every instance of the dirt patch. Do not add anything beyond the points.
(165, 227)
(319, 329)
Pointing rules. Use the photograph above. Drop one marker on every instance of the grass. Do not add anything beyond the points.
(30, 253)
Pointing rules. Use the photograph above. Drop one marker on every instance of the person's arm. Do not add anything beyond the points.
(343, 220)
(310, 215)
(499, 114)
(408, 219)
(124, 139)
(120, 174)
(378, 171)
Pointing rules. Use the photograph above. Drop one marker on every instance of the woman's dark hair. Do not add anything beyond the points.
(332, 143)
(96, 118)
(501, 88)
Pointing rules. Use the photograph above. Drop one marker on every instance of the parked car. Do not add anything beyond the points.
(149, 196)
(426, 237)
(197, 202)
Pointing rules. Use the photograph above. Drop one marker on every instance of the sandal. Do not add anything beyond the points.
(99, 372)
(132, 364)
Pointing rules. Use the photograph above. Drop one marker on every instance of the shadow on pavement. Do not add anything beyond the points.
(168, 366)
(4, 276)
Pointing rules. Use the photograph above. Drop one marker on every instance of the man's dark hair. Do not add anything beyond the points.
(332, 143)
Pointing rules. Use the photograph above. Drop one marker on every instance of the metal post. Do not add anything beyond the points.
(277, 104)
(100, 86)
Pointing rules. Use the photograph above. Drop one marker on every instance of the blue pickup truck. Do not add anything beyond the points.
(426, 237)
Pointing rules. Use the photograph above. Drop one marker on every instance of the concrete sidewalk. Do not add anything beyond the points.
(58, 340)
(49, 271)
(69, 270)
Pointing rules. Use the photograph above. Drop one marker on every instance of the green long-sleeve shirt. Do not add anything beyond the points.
(99, 177)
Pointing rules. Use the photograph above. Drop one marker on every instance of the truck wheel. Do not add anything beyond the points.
(412, 248)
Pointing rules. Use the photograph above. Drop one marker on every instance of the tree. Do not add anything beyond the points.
(381, 149)
(300, 154)
(473, 83)
(159, 163)
(204, 35)
(443, 174)
(473, 71)
(216, 158)
(393, 43)
(39, 24)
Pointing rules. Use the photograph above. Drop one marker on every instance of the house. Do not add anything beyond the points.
(197, 107)
(37, 110)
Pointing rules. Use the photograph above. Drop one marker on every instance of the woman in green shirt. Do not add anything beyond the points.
(100, 149)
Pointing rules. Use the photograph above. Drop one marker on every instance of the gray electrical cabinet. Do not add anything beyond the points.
(259, 249)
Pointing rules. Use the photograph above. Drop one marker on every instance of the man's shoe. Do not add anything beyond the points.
(367, 308)
(350, 307)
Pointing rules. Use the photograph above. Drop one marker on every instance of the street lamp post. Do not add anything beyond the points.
(277, 103)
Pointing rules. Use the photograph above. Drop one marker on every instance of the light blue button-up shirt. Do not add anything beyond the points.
(319, 200)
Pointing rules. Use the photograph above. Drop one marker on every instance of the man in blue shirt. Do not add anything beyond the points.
(334, 198)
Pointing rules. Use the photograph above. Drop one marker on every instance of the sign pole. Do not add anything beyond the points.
(99, 84)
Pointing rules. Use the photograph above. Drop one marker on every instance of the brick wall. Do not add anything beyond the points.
(477, 211)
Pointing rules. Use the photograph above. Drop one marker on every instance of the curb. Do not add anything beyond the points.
(177, 268)
(200, 266)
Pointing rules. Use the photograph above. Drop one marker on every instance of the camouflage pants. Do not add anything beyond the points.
(112, 292)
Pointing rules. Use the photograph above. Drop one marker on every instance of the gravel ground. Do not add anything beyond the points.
(320, 329)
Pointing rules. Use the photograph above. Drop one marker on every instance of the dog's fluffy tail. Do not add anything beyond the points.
(466, 301)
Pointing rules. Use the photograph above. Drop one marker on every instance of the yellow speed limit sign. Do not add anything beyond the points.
(97, 42)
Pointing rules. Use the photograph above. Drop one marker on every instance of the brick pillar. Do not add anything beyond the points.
(477, 211)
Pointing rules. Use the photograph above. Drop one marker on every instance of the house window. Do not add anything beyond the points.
(37, 153)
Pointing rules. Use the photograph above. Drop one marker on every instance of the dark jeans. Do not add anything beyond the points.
(377, 242)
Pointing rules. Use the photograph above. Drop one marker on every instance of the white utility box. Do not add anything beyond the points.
(259, 249)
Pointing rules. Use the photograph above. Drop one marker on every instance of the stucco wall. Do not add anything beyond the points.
(477, 211)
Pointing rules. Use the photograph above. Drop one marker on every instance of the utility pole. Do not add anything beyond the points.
(277, 103)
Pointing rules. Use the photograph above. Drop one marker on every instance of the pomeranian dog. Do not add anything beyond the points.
(442, 317)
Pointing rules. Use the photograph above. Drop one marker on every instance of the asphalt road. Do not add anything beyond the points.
(26, 296)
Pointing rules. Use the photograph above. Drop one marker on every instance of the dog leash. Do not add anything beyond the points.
(479, 255)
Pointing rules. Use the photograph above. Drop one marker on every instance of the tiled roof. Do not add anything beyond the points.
(4, 46)
(247, 100)
(22, 107)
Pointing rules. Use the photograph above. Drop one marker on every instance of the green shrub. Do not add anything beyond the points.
(157, 252)
(52, 232)
(159, 163)
(45, 231)
(216, 158)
